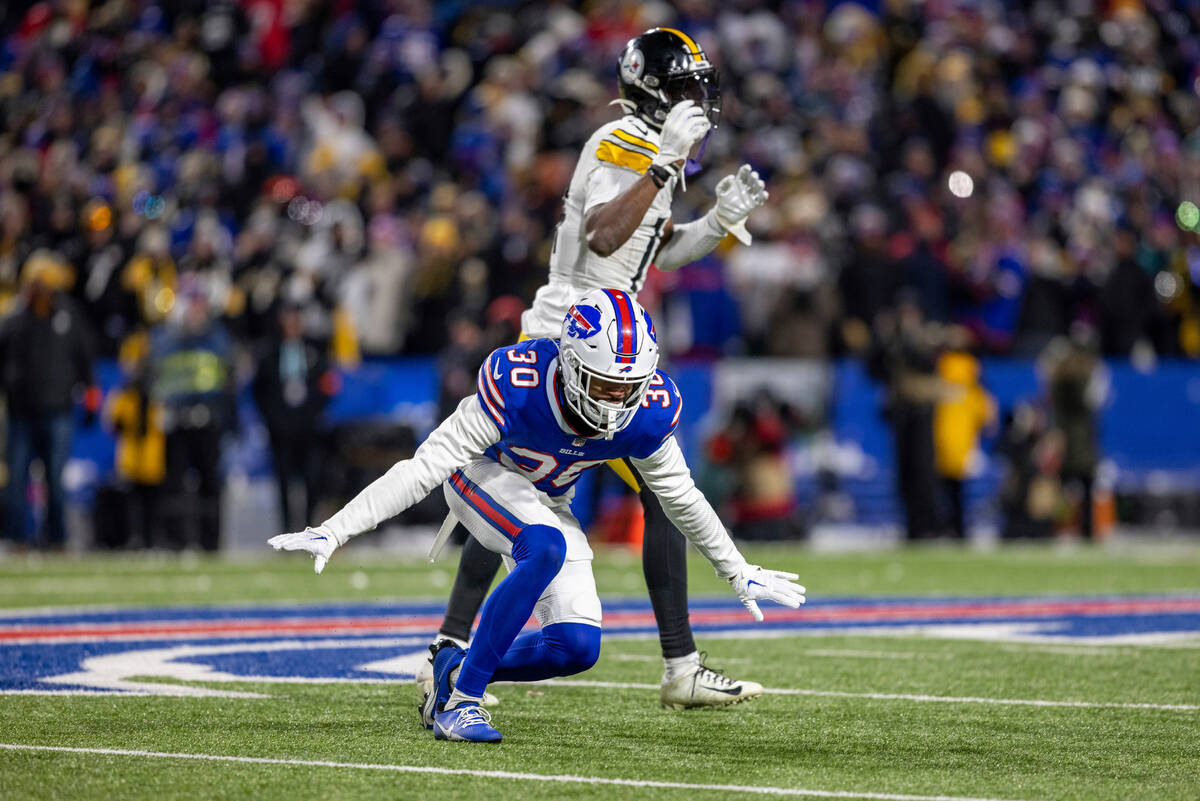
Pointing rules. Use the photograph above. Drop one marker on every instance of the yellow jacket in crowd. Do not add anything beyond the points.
(965, 409)
(141, 444)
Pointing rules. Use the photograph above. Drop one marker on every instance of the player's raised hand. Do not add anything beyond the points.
(753, 584)
(317, 541)
(685, 125)
(737, 196)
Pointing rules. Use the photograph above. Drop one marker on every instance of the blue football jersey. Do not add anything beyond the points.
(519, 391)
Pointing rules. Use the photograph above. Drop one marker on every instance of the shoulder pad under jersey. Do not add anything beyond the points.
(511, 377)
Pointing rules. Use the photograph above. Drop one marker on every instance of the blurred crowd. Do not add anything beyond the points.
(1041, 456)
(224, 192)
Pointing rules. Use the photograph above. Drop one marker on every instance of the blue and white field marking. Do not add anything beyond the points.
(110, 651)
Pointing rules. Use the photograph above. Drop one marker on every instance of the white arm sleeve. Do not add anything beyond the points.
(689, 242)
(667, 475)
(461, 437)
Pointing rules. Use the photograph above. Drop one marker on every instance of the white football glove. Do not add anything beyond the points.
(685, 125)
(737, 196)
(753, 584)
(317, 541)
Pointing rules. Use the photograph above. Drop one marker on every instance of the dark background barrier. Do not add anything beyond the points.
(1149, 439)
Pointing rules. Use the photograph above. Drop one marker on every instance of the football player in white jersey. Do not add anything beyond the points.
(545, 411)
(616, 223)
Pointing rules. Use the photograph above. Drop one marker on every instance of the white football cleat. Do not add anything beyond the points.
(705, 687)
(425, 681)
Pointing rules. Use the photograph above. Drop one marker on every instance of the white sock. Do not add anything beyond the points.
(678, 666)
(458, 699)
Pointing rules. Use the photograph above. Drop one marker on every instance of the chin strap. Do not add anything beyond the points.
(612, 425)
(629, 107)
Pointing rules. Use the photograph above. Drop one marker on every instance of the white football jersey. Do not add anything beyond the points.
(613, 159)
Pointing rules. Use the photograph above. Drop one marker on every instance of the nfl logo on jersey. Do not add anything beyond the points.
(583, 322)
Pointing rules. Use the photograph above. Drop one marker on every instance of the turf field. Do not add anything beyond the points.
(1031, 674)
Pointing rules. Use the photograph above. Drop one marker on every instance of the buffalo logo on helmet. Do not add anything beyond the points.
(583, 322)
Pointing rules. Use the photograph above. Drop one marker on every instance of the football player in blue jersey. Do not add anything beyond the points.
(544, 412)
(616, 224)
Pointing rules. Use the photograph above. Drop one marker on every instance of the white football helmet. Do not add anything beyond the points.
(609, 352)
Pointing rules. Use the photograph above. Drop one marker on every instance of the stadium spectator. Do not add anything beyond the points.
(45, 367)
(140, 462)
(112, 309)
(1126, 299)
(1030, 491)
(376, 293)
(292, 384)
(458, 363)
(1077, 383)
(190, 361)
(749, 451)
(962, 410)
(904, 359)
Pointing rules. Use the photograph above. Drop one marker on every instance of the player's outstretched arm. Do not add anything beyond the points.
(667, 474)
(461, 437)
(753, 584)
(737, 196)
(317, 541)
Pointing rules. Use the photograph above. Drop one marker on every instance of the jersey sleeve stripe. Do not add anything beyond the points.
(629, 138)
(622, 157)
(487, 404)
(632, 148)
(497, 398)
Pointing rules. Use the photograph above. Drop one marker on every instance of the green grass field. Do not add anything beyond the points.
(957, 731)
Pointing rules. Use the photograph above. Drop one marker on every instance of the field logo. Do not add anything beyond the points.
(195, 651)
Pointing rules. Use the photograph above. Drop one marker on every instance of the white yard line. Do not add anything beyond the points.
(501, 774)
(833, 652)
(945, 699)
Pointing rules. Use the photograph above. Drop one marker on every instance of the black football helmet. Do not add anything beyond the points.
(662, 67)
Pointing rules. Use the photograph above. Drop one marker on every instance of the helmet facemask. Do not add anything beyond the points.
(652, 99)
(702, 88)
(581, 383)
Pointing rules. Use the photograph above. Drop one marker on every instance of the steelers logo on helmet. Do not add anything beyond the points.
(632, 64)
